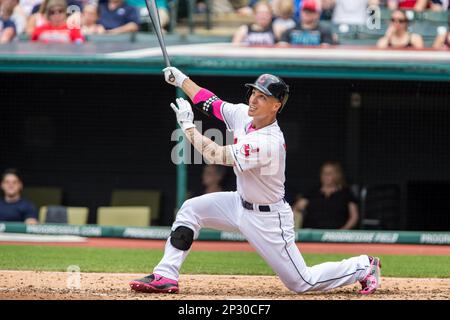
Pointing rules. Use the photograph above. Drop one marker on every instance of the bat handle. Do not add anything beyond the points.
(171, 77)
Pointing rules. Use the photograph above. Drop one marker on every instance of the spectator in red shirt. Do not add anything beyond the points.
(57, 30)
(416, 5)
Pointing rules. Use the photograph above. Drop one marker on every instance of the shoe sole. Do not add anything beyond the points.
(146, 288)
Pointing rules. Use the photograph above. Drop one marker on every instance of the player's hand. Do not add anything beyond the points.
(172, 73)
(185, 116)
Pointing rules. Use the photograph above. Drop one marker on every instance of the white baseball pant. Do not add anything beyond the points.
(271, 234)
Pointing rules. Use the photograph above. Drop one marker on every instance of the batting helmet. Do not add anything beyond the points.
(272, 86)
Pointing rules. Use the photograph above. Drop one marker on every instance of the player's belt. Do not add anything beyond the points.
(261, 207)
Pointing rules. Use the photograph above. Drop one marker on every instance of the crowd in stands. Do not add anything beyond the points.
(304, 22)
(275, 22)
(65, 21)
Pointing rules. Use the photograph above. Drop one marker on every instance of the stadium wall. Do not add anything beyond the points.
(91, 133)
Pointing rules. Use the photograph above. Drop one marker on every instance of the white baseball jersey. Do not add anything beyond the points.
(259, 156)
(259, 166)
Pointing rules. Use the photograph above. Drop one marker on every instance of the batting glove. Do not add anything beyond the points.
(177, 78)
(185, 116)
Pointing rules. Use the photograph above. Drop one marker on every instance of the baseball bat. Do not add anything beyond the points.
(156, 22)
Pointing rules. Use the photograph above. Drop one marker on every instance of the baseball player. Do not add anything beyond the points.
(257, 209)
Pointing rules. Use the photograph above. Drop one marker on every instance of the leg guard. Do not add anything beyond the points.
(182, 238)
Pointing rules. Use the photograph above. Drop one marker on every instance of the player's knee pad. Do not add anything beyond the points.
(182, 238)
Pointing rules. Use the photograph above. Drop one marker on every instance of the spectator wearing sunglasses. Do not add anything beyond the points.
(57, 30)
(397, 35)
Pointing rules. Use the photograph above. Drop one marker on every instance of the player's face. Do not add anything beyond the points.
(11, 185)
(262, 105)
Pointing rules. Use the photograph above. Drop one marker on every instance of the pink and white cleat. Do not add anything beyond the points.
(155, 283)
(373, 280)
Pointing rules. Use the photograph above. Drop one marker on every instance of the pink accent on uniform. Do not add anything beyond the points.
(204, 95)
(250, 128)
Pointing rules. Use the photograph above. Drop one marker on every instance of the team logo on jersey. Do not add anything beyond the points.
(247, 149)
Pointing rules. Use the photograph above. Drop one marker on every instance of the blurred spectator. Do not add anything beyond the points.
(330, 206)
(117, 17)
(416, 5)
(439, 5)
(163, 11)
(442, 41)
(12, 206)
(351, 13)
(212, 178)
(397, 34)
(248, 8)
(219, 6)
(238, 4)
(29, 5)
(18, 15)
(309, 32)
(37, 19)
(284, 13)
(56, 30)
(7, 26)
(89, 20)
(260, 32)
(327, 9)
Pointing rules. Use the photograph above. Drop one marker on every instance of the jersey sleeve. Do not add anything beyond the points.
(233, 114)
(252, 153)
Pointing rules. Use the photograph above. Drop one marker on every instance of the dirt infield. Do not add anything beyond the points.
(53, 285)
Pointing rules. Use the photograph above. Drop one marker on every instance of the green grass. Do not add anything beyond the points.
(17, 257)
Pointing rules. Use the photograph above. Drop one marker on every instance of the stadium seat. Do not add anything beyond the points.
(385, 14)
(43, 196)
(74, 215)
(424, 28)
(380, 207)
(436, 17)
(102, 38)
(124, 216)
(148, 198)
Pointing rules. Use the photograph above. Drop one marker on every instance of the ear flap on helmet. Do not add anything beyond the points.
(284, 101)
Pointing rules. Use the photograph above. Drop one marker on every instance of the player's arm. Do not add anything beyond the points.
(210, 150)
(203, 99)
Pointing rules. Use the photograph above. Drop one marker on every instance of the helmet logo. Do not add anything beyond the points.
(263, 79)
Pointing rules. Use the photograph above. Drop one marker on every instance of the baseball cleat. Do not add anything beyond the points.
(154, 283)
(373, 280)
